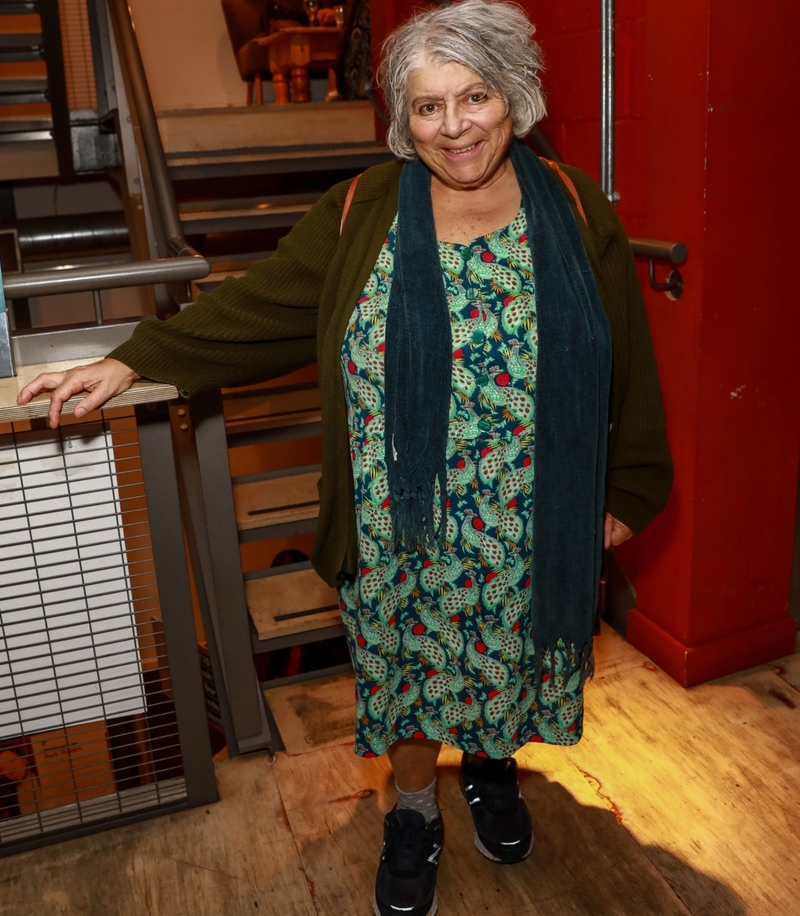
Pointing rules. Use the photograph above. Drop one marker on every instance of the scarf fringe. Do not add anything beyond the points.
(412, 518)
(581, 661)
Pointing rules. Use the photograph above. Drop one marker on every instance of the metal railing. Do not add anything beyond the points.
(670, 252)
(178, 263)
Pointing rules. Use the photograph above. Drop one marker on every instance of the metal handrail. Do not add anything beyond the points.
(181, 263)
(674, 252)
(142, 108)
(110, 276)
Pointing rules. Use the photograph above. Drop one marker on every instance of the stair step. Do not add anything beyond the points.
(23, 91)
(270, 409)
(188, 133)
(272, 161)
(20, 40)
(17, 129)
(290, 604)
(253, 213)
(18, 7)
(276, 501)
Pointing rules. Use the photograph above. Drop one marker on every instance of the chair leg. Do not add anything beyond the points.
(259, 90)
(249, 93)
(300, 85)
(281, 86)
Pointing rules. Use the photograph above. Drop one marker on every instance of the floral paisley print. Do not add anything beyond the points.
(442, 643)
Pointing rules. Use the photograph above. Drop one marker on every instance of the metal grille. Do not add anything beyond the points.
(87, 717)
(77, 45)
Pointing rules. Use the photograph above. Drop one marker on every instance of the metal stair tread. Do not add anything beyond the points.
(262, 503)
(276, 159)
(212, 219)
(25, 84)
(292, 603)
(25, 39)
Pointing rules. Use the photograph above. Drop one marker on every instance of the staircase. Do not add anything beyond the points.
(235, 201)
(24, 99)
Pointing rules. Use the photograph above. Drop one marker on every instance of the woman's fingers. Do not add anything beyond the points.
(47, 381)
(608, 523)
(103, 380)
(615, 532)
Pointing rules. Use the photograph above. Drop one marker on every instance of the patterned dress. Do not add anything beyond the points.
(442, 642)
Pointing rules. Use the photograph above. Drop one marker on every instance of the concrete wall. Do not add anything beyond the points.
(188, 58)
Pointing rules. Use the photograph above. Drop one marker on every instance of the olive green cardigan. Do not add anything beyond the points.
(295, 307)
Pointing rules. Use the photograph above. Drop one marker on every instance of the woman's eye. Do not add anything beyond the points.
(477, 97)
(430, 108)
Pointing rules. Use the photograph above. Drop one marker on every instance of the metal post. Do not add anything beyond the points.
(607, 99)
(166, 531)
(98, 306)
(7, 368)
(226, 589)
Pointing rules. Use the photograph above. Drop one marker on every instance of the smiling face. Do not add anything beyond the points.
(460, 129)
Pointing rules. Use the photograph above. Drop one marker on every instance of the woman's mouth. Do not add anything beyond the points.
(464, 151)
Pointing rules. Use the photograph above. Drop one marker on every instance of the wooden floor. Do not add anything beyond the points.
(676, 802)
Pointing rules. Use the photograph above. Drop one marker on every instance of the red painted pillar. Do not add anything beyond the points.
(714, 571)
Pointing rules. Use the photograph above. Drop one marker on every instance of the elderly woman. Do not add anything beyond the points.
(491, 417)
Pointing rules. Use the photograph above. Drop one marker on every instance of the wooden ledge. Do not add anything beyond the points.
(141, 392)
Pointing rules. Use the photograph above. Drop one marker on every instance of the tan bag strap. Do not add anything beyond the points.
(570, 186)
(351, 193)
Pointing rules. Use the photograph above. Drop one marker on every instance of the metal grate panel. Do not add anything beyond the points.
(88, 726)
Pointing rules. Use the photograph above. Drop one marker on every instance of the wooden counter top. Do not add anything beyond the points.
(140, 392)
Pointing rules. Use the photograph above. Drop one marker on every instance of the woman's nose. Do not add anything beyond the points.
(453, 122)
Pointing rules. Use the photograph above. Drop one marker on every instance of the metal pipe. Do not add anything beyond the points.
(674, 252)
(607, 99)
(102, 276)
(97, 300)
(72, 234)
(143, 110)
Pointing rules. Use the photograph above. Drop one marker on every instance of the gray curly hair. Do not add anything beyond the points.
(493, 38)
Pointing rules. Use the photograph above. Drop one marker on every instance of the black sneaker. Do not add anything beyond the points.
(406, 881)
(502, 822)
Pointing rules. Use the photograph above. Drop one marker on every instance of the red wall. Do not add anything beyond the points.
(706, 135)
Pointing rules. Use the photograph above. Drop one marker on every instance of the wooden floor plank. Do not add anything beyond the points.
(708, 778)
(235, 857)
(676, 803)
(613, 654)
(788, 669)
(335, 803)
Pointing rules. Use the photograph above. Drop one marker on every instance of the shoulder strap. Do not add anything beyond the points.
(351, 193)
(569, 183)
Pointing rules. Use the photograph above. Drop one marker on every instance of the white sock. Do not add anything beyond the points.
(423, 801)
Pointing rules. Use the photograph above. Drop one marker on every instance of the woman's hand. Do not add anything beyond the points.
(103, 380)
(614, 532)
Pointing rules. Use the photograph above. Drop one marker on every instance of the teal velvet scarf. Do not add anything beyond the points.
(571, 400)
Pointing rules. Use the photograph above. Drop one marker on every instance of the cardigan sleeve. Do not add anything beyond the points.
(259, 326)
(639, 464)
